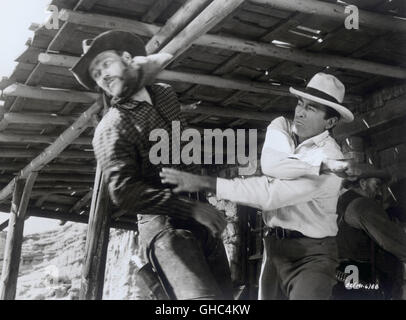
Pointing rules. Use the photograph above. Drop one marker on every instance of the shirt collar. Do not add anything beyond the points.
(316, 140)
(130, 103)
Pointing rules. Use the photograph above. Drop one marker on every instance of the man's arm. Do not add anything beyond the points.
(278, 160)
(367, 215)
(117, 156)
(258, 192)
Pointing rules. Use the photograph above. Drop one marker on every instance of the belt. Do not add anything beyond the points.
(281, 233)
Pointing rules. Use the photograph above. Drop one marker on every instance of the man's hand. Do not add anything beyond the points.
(185, 182)
(210, 217)
(342, 168)
(150, 65)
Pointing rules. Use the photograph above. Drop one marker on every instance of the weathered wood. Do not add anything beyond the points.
(24, 91)
(215, 12)
(31, 138)
(108, 22)
(52, 151)
(393, 109)
(213, 81)
(71, 168)
(82, 202)
(12, 254)
(252, 47)
(41, 119)
(52, 177)
(97, 239)
(71, 154)
(230, 113)
(304, 57)
(175, 23)
(80, 218)
(336, 12)
(155, 10)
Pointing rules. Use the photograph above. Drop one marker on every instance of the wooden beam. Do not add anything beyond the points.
(39, 118)
(82, 202)
(214, 13)
(24, 91)
(305, 57)
(70, 154)
(31, 138)
(175, 23)
(97, 239)
(155, 10)
(71, 168)
(52, 151)
(336, 12)
(253, 47)
(213, 81)
(108, 22)
(229, 113)
(82, 218)
(393, 109)
(12, 252)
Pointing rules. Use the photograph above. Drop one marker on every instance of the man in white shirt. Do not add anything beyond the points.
(298, 193)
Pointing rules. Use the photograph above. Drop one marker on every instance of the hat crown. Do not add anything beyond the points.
(328, 84)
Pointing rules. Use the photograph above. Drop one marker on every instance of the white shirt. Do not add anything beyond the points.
(293, 195)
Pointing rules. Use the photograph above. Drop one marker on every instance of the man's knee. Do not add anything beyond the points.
(312, 286)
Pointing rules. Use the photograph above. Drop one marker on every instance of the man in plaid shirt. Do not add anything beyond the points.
(181, 237)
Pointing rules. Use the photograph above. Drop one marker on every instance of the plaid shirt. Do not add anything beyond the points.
(121, 144)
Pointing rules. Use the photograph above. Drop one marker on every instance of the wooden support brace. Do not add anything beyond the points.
(96, 241)
(12, 254)
(52, 151)
(175, 23)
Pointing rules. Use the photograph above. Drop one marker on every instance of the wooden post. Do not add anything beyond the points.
(96, 242)
(9, 275)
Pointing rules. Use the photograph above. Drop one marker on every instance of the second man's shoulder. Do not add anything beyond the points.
(280, 123)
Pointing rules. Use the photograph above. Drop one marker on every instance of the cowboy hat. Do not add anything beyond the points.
(109, 40)
(360, 171)
(327, 90)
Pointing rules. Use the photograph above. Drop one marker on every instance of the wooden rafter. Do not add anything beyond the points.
(51, 152)
(201, 79)
(336, 12)
(241, 45)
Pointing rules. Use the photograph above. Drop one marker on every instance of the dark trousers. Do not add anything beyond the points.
(191, 263)
(298, 269)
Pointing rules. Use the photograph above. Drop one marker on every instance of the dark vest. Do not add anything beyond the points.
(353, 244)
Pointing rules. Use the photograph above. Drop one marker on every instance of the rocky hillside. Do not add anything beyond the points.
(51, 262)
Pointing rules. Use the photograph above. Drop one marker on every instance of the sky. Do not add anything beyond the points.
(16, 17)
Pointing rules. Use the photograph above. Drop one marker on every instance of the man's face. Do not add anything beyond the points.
(310, 119)
(372, 187)
(110, 72)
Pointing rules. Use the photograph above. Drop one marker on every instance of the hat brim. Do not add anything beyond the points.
(346, 115)
(109, 40)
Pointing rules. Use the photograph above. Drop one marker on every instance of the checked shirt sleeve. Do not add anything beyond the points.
(115, 147)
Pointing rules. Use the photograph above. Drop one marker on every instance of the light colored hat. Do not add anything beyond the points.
(327, 90)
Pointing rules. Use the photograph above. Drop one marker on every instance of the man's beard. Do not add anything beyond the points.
(132, 83)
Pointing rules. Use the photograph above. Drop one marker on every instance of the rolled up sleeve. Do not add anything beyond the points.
(265, 193)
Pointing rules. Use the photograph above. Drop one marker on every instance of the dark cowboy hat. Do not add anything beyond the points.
(109, 40)
(366, 171)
